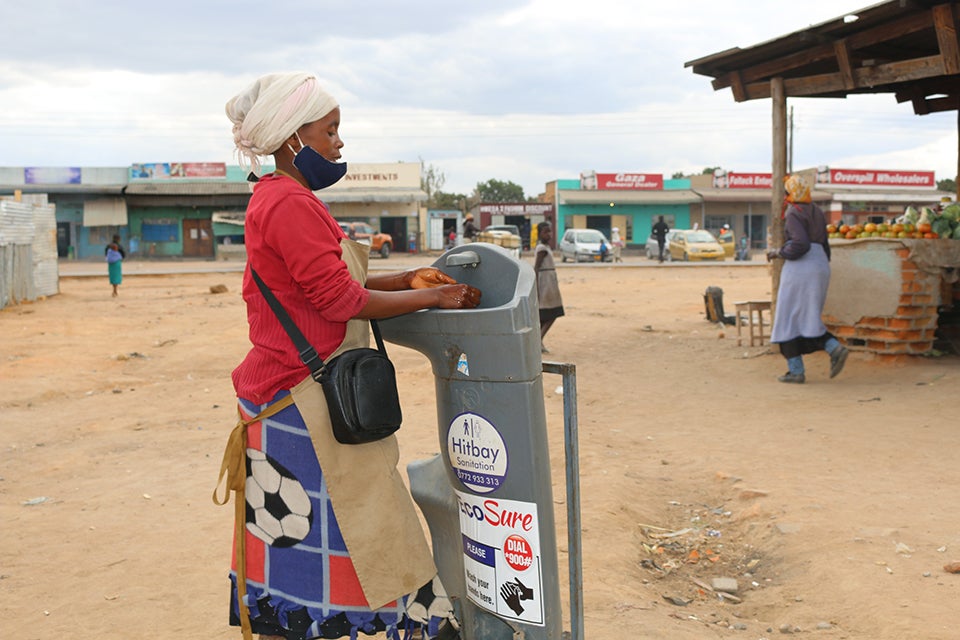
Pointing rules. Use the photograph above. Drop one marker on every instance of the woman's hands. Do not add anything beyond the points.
(402, 292)
(426, 278)
(773, 254)
(452, 294)
(458, 296)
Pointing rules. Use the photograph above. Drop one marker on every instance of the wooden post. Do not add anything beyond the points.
(779, 172)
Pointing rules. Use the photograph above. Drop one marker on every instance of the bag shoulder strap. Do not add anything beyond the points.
(377, 337)
(308, 355)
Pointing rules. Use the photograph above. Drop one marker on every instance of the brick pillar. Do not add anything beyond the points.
(911, 330)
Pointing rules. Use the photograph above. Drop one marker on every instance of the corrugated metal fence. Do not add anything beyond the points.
(28, 251)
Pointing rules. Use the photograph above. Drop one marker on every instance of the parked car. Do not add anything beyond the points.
(694, 245)
(504, 235)
(363, 233)
(652, 249)
(584, 244)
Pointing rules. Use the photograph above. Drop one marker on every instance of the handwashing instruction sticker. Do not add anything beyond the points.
(501, 556)
(477, 453)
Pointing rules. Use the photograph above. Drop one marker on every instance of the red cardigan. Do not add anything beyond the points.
(294, 244)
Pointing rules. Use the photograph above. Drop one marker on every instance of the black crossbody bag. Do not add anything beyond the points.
(360, 385)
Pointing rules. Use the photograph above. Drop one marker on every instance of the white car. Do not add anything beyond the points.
(653, 250)
(585, 244)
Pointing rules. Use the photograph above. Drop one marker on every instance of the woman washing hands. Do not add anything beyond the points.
(355, 558)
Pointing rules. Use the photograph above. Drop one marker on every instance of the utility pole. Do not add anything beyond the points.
(790, 143)
(779, 106)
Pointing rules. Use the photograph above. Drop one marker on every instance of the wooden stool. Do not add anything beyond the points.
(753, 305)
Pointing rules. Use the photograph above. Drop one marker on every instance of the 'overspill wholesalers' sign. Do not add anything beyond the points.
(876, 178)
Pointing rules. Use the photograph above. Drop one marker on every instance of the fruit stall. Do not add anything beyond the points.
(895, 291)
(889, 293)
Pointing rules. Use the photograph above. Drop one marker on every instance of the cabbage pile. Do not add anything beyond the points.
(943, 224)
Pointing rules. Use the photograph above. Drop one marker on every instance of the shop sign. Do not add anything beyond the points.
(517, 209)
(168, 170)
(380, 175)
(198, 170)
(630, 181)
(52, 175)
(876, 178)
(733, 180)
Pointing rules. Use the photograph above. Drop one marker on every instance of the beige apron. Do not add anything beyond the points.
(377, 518)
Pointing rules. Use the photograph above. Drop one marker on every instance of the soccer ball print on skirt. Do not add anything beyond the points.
(300, 578)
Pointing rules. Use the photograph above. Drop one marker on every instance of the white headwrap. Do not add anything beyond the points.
(271, 109)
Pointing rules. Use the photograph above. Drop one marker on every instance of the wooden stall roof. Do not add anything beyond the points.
(908, 48)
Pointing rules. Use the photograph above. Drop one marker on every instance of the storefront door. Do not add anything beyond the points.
(197, 238)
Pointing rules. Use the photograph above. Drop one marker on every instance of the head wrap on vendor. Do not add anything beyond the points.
(271, 110)
(798, 191)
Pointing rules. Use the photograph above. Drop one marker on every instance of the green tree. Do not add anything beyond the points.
(444, 200)
(497, 191)
(677, 175)
(710, 170)
(947, 185)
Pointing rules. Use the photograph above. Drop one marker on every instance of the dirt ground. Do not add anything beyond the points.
(832, 504)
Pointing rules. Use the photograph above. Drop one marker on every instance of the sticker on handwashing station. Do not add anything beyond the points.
(477, 453)
(463, 365)
(501, 556)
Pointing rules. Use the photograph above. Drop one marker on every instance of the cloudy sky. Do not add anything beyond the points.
(526, 91)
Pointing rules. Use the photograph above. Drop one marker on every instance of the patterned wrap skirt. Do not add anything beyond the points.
(301, 582)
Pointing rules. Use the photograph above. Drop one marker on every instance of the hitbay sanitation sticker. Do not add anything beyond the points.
(477, 453)
(501, 556)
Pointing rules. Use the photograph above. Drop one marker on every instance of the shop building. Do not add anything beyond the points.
(859, 196)
(847, 196)
(387, 196)
(196, 210)
(170, 210)
(91, 194)
(444, 229)
(523, 215)
(441, 223)
(741, 200)
(631, 202)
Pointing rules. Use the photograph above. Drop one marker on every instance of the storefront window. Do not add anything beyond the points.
(102, 235)
(161, 230)
(715, 223)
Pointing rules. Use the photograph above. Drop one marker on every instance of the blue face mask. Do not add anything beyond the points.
(319, 172)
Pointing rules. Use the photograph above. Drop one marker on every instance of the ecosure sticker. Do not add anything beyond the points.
(501, 556)
(477, 453)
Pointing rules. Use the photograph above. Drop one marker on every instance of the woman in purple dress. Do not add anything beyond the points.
(797, 324)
